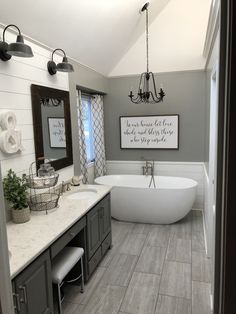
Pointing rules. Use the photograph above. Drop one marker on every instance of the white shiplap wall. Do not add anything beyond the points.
(16, 77)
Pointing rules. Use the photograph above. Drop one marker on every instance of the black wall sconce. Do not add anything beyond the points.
(18, 49)
(63, 66)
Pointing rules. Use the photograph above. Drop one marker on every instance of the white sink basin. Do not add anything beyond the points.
(82, 194)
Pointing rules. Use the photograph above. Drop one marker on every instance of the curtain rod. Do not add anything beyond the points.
(87, 94)
(89, 91)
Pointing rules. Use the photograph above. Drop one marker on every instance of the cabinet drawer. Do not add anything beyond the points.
(95, 260)
(106, 244)
(57, 246)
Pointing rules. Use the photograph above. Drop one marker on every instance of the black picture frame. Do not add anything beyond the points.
(49, 131)
(151, 148)
(37, 93)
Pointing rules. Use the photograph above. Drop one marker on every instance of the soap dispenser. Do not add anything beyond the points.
(46, 170)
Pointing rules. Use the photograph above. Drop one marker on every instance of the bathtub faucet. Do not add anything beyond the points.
(149, 167)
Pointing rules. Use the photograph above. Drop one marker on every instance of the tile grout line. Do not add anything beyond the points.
(162, 273)
(119, 310)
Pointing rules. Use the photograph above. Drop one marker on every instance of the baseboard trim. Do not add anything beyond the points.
(211, 302)
(205, 237)
(204, 221)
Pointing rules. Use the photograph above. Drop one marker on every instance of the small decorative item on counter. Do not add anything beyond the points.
(15, 192)
(75, 180)
(44, 177)
(46, 170)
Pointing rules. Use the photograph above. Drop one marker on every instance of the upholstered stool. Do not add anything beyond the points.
(61, 266)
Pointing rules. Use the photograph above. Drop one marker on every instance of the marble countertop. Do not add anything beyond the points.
(28, 240)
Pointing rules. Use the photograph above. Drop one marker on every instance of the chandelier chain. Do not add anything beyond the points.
(147, 40)
(147, 92)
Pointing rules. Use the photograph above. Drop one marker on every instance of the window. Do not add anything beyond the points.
(87, 121)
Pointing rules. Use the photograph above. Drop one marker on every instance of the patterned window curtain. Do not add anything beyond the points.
(98, 135)
(82, 144)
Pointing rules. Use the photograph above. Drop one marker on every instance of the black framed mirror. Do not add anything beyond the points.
(52, 126)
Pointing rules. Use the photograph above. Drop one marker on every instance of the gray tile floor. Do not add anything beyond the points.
(151, 269)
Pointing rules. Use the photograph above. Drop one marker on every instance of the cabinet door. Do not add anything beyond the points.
(105, 221)
(34, 287)
(94, 232)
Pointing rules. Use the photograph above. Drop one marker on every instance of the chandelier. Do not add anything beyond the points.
(147, 92)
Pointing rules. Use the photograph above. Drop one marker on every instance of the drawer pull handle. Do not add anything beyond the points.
(24, 300)
(17, 306)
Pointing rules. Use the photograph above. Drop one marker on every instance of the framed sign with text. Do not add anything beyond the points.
(56, 128)
(149, 132)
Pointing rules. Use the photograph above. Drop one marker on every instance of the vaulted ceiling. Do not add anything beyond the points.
(104, 34)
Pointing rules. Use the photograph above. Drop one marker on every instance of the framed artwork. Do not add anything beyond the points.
(149, 132)
(56, 129)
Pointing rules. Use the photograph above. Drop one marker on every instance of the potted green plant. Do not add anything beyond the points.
(15, 192)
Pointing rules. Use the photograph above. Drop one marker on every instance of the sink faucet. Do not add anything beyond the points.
(65, 186)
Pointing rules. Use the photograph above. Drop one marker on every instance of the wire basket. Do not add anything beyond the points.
(49, 197)
(36, 182)
(44, 201)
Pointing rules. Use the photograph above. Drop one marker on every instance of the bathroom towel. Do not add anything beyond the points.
(7, 120)
(10, 141)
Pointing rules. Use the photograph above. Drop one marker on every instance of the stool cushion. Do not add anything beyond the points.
(64, 262)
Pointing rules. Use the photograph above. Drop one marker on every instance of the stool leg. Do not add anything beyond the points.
(59, 298)
(82, 275)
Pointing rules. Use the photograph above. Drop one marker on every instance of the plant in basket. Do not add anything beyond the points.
(16, 193)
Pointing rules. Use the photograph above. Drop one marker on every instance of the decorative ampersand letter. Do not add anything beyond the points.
(10, 137)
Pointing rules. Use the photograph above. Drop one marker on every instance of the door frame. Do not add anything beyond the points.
(225, 252)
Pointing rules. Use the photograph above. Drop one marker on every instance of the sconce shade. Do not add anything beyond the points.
(63, 66)
(18, 49)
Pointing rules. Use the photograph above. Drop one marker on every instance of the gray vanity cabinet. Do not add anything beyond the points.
(105, 221)
(98, 232)
(33, 287)
(94, 230)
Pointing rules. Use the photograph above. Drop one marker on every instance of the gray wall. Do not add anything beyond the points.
(185, 95)
(87, 78)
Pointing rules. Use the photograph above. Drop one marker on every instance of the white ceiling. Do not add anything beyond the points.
(96, 33)
(176, 41)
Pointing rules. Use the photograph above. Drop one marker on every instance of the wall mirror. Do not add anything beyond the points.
(52, 125)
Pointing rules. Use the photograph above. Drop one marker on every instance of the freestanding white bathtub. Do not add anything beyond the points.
(133, 200)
